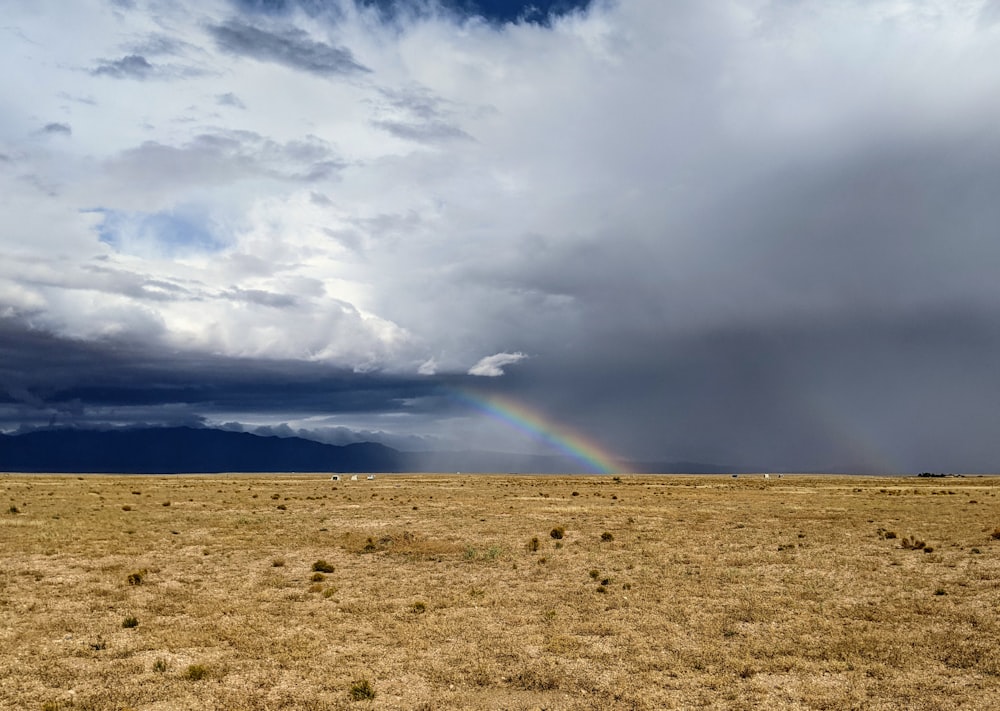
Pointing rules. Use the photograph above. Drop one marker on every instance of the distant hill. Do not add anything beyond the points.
(180, 450)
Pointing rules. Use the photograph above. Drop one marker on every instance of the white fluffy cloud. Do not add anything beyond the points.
(492, 366)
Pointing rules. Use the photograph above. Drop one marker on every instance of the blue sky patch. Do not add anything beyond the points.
(491, 10)
(167, 233)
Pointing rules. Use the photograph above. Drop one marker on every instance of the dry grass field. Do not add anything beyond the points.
(452, 592)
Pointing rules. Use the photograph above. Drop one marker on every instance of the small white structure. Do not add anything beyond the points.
(370, 477)
(335, 477)
(354, 477)
(767, 476)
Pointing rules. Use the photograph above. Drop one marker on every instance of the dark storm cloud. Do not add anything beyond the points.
(869, 394)
(43, 376)
(290, 47)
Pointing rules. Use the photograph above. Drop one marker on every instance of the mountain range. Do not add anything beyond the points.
(177, 450)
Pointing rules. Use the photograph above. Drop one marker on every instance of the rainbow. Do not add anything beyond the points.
(542, 428)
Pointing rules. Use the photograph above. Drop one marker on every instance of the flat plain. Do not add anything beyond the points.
(499, 592)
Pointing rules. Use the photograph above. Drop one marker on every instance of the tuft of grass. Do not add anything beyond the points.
(321, 566)
(361, 690)
(995, 535)
(166, 503)
(160, 665)
(130, 622)
(940, 591)
(278, 563)
(533, 544)
(558, 532)
(317, 577)
(126, 507)
(595, 574)
(136, 577)
(607, 536)
(195, 672)
(13, 509)
(418, 607)
(282, 507)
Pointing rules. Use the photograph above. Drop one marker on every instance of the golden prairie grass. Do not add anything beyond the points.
(451, 592)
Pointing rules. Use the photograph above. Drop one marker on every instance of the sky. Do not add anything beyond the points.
(761, 233)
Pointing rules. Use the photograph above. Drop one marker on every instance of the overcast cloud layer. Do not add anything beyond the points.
(759, 233)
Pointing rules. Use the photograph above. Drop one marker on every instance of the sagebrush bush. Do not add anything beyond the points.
(557, 532)
(321, 566)
(136, 577)
(361, 690)
(130, 622)
(195, 672)
(607, 536)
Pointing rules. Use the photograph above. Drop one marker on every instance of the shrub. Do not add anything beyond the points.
(130, 622)
(321, 566)
(995, 535)
(278, 563)
(166, 503)
(195, 672)
(602, 589)
(136, 577)
(282, 507)
(418, 607)
(595, 574)
(160, 665)
(533, 544)
(557, 532)
(126, 507)
(361, 690)
(940, 591)
(13, 509)
(890, 534)
(607, 536)
(317, 577)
